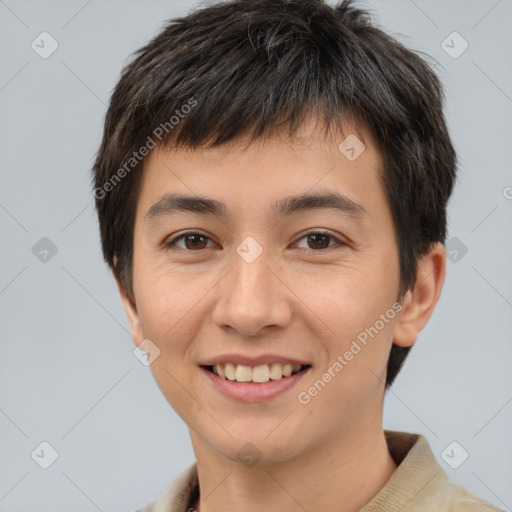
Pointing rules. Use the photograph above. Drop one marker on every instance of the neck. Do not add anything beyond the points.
(344, 473)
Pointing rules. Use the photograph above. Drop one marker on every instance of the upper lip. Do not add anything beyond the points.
(252, 361)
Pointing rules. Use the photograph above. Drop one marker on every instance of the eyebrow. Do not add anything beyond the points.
(174, 203)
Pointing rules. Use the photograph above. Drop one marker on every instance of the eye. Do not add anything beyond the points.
(318, 240)
(194, 240)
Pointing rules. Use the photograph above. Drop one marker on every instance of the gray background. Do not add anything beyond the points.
(68, 375)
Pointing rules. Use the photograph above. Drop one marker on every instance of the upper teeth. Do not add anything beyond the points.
(261, 373)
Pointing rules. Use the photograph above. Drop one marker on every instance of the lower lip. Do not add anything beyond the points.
(252, 392)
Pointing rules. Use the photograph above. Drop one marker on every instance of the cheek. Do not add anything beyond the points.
(347, 299)
(355, 309)
(170, 318)
(166, 296)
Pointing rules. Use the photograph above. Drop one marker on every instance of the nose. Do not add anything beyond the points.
(253, 296)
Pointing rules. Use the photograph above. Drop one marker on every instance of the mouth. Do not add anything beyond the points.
(254, 384)
(260, 374)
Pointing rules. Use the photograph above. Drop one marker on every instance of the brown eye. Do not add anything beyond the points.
(192, 241)
(318, 241)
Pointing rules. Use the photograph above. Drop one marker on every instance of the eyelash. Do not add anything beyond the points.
(170, 244)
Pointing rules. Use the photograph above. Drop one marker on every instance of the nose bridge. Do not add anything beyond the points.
(251, 271)
(251, 296)
(251, 277)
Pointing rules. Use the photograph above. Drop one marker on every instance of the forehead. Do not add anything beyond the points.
(249, 174)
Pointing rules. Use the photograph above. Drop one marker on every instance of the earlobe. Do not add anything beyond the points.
(132, 314)
(419, 304)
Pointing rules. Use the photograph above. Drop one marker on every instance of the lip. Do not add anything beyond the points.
(252, 361)
(253, 392)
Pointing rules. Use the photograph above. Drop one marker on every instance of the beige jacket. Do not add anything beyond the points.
(419, 484)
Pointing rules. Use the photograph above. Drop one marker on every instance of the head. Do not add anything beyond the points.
(247, 102)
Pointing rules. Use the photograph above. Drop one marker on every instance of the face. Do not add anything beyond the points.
(267, 279)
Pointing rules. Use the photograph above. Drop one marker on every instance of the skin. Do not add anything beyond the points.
(300, 298)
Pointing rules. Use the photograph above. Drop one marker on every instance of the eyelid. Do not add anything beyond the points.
(321, 232)
(339, 242)
(170, 244)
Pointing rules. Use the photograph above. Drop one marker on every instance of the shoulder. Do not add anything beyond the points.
(420, 483)
(177, 495)
(461, 500)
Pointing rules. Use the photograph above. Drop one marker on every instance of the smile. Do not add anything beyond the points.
(256, 374)
(257, 383)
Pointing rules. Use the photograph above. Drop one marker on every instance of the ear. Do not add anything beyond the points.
(131, 312)
(421, 299)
